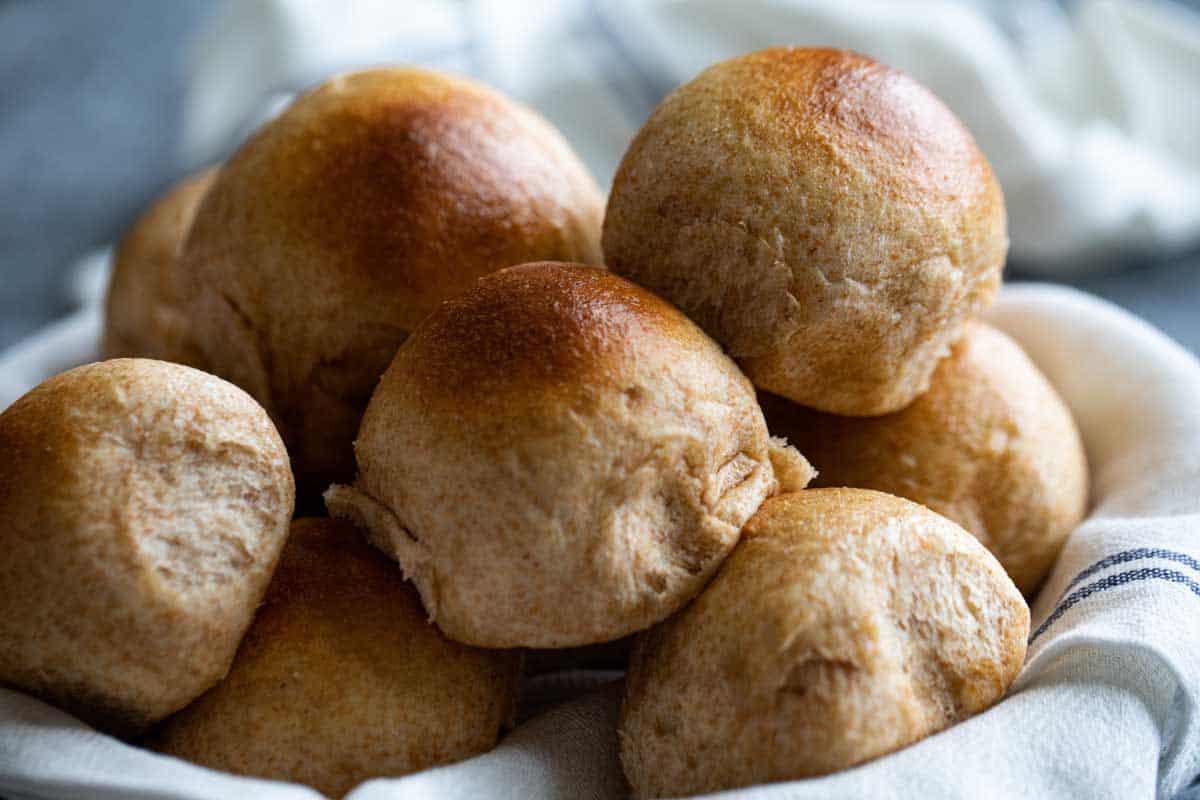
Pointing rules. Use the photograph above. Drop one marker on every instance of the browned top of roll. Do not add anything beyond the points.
(403, 179)
(823, 104)
(398, 179)
(532, 328)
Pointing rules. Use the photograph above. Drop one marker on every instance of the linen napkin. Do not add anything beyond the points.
(1106, 706)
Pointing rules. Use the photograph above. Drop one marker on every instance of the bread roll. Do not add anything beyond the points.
(141, 312)
(144, 507)
(845, 625)
(823, 217)
(341, 678)
(351, 216)
(990, 445)
(559, 458)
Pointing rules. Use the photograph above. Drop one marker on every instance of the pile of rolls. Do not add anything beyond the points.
(391, 399)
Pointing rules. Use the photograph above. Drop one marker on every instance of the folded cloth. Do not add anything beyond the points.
(1106, 706)
(1091, 119)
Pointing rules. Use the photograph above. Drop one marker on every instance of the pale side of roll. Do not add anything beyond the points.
(142, 317)
(991, 445)
(145, 505)
(846, 624)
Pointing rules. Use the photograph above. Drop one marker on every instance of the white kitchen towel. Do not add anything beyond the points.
(1091, 119)
(1106, 706)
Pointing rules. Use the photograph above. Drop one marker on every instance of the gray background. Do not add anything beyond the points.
(89, 114)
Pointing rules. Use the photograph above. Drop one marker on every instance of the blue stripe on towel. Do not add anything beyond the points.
(1113, 581)
(1133, 555)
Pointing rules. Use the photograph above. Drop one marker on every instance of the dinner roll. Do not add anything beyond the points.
(990, 445)
(144, 507)
(559, 458)
(351, 216)
(846, 624)
(341, 678)
(141, 312)
(823, 217)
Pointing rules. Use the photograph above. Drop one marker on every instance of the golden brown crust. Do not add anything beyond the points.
(142, 317)
(146, 504)
(540, 328)
(559, 458)
(846, 624)
(824, 217)
(341, 678)
(990, 445)
(345, 221)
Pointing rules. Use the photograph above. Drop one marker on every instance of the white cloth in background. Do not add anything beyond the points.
(1106, 706)
(1091, 120)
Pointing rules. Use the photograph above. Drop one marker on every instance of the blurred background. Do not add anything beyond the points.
(1089, 111)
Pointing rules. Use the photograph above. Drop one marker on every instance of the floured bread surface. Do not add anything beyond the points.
(824, 217)
(991, 445)
(341, 678)
(145, 507)
(559, 458)
(142, 317)
(344, 221)
(846, 624)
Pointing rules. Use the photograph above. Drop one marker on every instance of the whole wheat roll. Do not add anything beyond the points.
(991, 445)
(824, 217)
(142, 318)
(559, 458)
(344, 221)
(145, 504)
(846, 624)
(341, 678)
